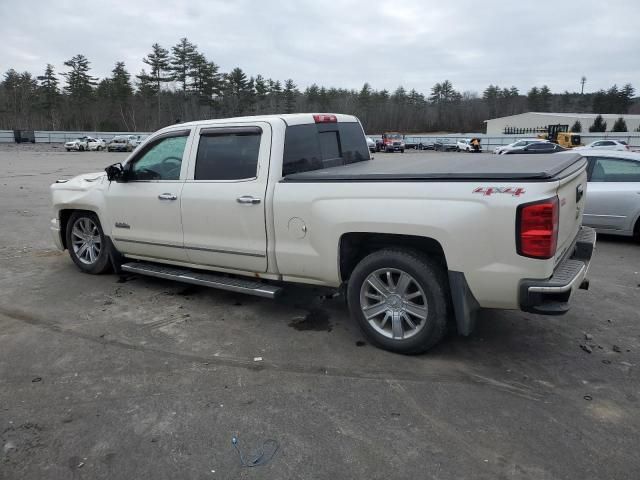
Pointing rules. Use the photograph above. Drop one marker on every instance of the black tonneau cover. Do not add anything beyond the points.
(449, 166)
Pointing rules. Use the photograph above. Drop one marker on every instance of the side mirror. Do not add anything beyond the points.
(115, 172)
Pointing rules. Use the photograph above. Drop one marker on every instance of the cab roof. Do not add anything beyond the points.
(288, 118)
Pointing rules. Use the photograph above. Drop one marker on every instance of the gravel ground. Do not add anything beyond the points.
(131, 377)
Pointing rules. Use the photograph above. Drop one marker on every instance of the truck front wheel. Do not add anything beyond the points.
(86, 242)
(399, 298)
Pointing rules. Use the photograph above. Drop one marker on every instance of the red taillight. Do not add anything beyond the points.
(537, 229)
(323, 118)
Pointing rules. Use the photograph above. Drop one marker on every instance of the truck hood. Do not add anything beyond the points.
(86, 181)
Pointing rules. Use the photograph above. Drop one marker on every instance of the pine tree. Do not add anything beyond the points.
(533, 99)
(619, 126)
(545, 99)
(599, 125)
(146, 85)
(444, 93)
(400, 95)
(21, 89)
(364, 97)
(626, 97)
(576, 127)
(49, 94)
(182, 56)
(236, 91)
(275, 94)
(206, 81)
(262, 90)
(79, 83)
(490, 96)
(121, 88)
(158, 61)
(290, 93)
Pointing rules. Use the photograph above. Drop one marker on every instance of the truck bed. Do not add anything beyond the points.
(450, 167)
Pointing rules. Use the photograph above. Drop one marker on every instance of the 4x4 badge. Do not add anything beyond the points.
(486, 191)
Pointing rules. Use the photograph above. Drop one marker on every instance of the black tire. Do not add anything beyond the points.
(99, 148)
(427, 274)
(402, 150)
(102, 262)
(68, 149)
(81, 148)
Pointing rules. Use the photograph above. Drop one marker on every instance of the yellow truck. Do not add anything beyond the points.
(561, 135)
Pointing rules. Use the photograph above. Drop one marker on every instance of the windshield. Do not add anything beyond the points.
(393, 136)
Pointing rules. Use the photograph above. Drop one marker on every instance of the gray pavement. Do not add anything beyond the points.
(135, 378)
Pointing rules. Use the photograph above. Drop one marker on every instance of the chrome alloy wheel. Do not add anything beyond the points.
(86, 241)
(393, 303)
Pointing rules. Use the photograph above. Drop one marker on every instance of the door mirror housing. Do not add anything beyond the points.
(115, 172)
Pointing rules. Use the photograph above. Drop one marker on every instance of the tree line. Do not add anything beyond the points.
(182, 84)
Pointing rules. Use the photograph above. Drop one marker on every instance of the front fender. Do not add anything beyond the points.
(84, 192)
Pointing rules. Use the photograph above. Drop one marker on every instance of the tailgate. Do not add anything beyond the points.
(571, 195)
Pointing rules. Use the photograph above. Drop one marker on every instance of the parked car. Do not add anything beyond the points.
(371, 144)
(123, 143)
(606, 145)
(613, 198)
(471, 145)
(80, 144)
(418, 145)
(445, 145)
(426, 145)
(96, 144)
(301, 201)
(410, 144)
(463, 145)
(519, 144)
(539, 147)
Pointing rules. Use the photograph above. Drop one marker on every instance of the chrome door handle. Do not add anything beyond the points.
(167, 196)
(246, 199)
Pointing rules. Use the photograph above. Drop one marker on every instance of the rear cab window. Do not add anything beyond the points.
(608, 169)
(316, 146)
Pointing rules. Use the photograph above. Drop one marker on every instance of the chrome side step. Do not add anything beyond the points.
(204, 279)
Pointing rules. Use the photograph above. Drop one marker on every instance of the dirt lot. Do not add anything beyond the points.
(108, 377)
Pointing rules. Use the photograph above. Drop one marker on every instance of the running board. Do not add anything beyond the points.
(204, 279)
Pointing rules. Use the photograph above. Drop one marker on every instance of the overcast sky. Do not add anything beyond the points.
(343, 43)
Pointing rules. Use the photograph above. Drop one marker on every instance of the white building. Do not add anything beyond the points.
(540, 120)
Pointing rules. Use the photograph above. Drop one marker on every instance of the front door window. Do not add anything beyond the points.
(162, 160)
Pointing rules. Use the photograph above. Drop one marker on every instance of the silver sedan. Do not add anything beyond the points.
(613, 192)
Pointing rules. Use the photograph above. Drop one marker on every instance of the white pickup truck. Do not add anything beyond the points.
(248, 204)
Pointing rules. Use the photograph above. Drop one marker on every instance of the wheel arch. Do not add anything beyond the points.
(65, 214)
(355, 246)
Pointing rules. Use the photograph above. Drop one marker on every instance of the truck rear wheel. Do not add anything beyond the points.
(399, 299)
(87, 244)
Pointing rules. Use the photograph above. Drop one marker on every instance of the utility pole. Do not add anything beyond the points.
(583, 80)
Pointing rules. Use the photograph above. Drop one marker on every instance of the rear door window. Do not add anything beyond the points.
(324, 145)
(228, 154)
(615, 170)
